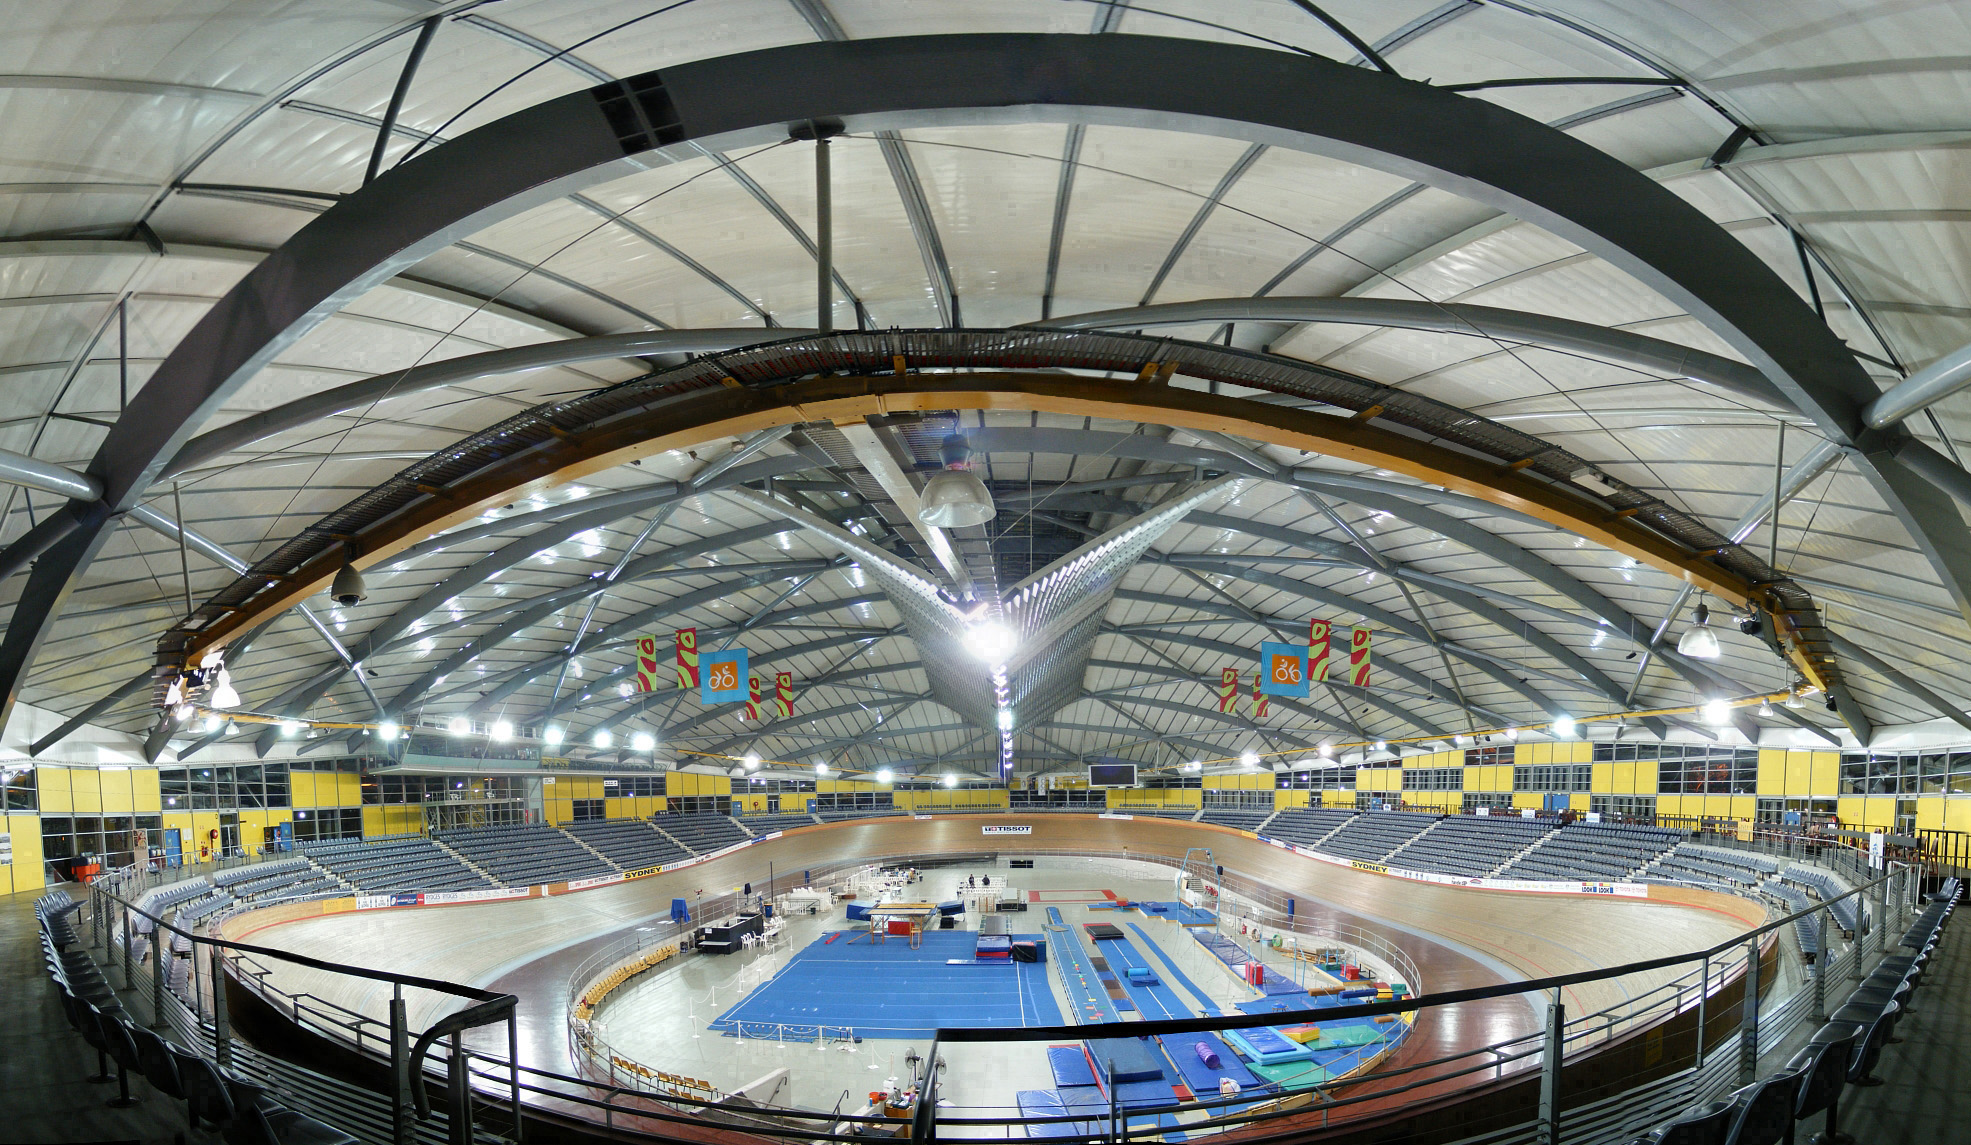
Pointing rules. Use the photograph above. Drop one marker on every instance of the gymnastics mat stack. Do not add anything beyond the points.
(995, 946)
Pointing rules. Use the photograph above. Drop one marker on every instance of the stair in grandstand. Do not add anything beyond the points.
(1308, 826)
(1236, 818)
(583, 844)
(631, 844)
(475, 868)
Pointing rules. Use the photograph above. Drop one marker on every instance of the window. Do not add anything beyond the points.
(17, 789)
(1494, 799)
(1170, 782)
(1553, 777)
(1319, 779)
(108, 841)
(1238, 800)
(587, 809)
(1070, 797)
(854, 801)
(1434, 778)
(637, 785)
(1638, 807)
(1493, 755)
(328, 823)
(759, 785)
(1707, 771)
(699, 805)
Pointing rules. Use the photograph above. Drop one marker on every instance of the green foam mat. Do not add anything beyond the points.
(1292, 1075)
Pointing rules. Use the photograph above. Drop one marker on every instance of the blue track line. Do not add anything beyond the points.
(1206, 1007)
(1075, 965)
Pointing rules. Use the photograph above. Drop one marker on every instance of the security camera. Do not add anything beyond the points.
(1751, 623)
(348, 588)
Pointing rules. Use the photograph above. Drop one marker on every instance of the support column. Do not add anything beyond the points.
(1550, 1062)
(403, 1122)
(824, 237)
(222, 1026)
(1748, 1024)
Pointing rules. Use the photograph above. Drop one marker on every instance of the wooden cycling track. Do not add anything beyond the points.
(1458, 937)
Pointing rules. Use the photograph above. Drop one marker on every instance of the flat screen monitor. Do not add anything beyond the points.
(1111, 775)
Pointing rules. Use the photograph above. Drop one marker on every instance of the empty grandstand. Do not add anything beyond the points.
(1372, 835)
(767, 824)
(410, 863)
(1308, 827)
(1243, 820)
(1593, 852)
(524, 856)
(1470, 845)
(285, 878)
(628, 843)
(702, 833)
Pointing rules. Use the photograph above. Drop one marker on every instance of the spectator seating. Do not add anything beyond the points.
(629, 843)
(164, 899)
(702, 833)
(839, 815)
(1848, 915)
(1372, 835)
(1755, 861)
(237, 1107)
(283, 878)
(1164, 813)
(1844, 1052)
(1805, 930)
(1243, 820)
(523, 856)
(768, 824)
(1308, 826)
(1470, 845)
(1592, 852)
(410, 863)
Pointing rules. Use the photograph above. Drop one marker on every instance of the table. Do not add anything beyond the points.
(914, 914)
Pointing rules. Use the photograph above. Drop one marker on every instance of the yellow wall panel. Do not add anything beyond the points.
(1601, 778)
(1577, 802)
(1930, 814)
(53, 785)
(1525, 799)
(1799, 775)
(1538, 753)
(1772, 769)
(1957, 815)
(1824, 776)
(116, 796)
(1575, 752)
(1646, 774)
(144, 791)
(25, 872)
(86, 790)
(1284, 799)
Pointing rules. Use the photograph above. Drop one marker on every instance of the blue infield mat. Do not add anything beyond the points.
(1187, 915)
(1070, 1066)
(1172, 974)
(892, 991)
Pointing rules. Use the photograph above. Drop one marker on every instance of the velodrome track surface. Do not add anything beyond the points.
(1458, 937)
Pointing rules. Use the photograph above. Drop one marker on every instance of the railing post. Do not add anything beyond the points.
(159, 952)
(403, 1127)
(129, 940)
(1703, 1002)
(1550, 1073)
(461, 1093)
(513, 1068)
(1748, 1025)
(222, 1029)
(1823, 963)
(1882, 916)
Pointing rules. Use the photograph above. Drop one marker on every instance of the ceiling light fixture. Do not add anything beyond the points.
(1564, 727)
(955, 497)
(950, 780)
(1249, 757)
(643, 741)
(1698, 641)
(602, 740)
(1717, 713)
(458, 726)
(223, 693)
(389, 730)
(290, 728)
(751, 760)
(502, 731)
(885, 775)
(992, 642)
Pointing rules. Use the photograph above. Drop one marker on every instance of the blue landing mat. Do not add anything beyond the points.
(1171, 973)
(892, 991)
(1188, 915)
(1202, 1079)
(1048, 1103)
(1134, 1060)
(1070, 1066)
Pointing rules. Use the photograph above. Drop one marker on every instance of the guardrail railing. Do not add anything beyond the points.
(1711, 1001)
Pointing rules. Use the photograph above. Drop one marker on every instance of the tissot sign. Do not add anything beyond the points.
(1005, 829)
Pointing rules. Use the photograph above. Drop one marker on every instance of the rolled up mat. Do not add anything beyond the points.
(1207, 1055)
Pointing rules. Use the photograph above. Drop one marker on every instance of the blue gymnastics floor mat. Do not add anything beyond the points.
(892, 991)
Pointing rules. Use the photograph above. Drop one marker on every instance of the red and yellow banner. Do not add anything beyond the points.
(1318, 632)
(687, 657)
(752, 698)
(1358, 657)
(783, 694)
(1228, 689)
(1258, 697)
(646, 664)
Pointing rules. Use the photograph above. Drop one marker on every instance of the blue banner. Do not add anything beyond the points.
(722, 677)
(1283, 669)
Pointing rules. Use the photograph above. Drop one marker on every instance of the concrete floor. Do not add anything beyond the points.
(1926, 1081)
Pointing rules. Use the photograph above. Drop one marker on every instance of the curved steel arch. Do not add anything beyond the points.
(1466, 146)
(1630, 349)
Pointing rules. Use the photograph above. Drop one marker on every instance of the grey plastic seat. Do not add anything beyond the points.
(1706, 1125)
(1765, 1110)
(123, 1051)
(155, 1060)
(206, 1096)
